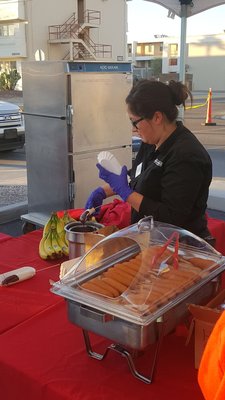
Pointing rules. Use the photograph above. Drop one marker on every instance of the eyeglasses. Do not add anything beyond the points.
(134, 123)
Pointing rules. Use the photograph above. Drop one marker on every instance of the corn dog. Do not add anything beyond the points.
(117, 285)
(125, 268)
(96, 289)
(201, 263)
(101, 283)
(119, 276)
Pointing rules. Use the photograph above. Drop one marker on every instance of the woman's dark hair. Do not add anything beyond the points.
(146, 97)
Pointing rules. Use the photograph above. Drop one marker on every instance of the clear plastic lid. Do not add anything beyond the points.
(139, 269)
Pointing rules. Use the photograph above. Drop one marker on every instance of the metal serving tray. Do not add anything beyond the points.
(131, 334)
(130, 326)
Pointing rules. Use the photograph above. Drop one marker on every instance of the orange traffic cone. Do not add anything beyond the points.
(208, 120)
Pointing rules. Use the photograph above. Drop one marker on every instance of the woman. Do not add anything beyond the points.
(172, 172)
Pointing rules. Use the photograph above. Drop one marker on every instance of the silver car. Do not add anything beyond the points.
(12, 130)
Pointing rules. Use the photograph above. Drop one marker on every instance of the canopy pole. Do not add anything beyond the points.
(183, 42)
(182, 52)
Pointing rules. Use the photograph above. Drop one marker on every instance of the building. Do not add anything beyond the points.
(205, 60)
(62, 30)
(144, 57)
(84, 30)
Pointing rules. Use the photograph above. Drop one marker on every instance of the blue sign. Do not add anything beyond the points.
(98, 67)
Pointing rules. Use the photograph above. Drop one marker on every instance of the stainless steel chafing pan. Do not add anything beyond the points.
(128, 323)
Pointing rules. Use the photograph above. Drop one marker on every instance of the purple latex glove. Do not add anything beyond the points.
(96, 198)
(118, 183)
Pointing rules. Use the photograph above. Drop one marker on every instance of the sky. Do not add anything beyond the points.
(146, 19)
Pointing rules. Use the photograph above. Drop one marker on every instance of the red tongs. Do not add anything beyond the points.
(164, 247)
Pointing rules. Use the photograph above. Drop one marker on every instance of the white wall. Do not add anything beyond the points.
(113, 28)
(206, 60)
(12, 47)
(41, 14)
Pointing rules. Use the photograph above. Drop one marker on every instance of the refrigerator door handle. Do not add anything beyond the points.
(62, 117)
(69, 114)
(71, 192)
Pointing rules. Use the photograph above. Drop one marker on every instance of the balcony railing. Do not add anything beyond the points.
(79, 33)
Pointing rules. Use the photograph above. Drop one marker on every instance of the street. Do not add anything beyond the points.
(209, 136)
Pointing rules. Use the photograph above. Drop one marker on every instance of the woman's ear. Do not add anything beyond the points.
(158, 117)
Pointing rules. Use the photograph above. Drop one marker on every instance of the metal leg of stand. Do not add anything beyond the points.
(125, 353)
(89, 350)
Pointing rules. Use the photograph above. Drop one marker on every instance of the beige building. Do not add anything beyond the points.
(205, 59)
(67, 30)
(85, 29)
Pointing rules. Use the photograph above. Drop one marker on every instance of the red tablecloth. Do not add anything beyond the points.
(44, 359)
(4, 237)
(217, 229)
(23, 300)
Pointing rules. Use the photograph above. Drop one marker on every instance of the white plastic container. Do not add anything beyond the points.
(16, 275)
(108, 161)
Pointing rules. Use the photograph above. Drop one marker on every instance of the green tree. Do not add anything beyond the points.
(9, 79)
(156, 66)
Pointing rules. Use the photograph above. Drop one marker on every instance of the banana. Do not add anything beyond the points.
(61, 239)
(47, 228)
(48, 245)
(59, 225)
(64, 247)
(62, 244)
(66, 241)
(55, 244)
(67, 218)
(61, 235)
(50, 224)
(42, 251)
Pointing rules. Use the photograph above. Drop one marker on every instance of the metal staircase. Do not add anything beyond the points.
(75, 36)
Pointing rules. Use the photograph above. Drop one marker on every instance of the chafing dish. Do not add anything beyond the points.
(154, 300)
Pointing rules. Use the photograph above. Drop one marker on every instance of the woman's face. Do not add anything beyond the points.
(146, 129)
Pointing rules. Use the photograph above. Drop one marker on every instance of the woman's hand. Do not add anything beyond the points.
(118, 183)
(96, 198)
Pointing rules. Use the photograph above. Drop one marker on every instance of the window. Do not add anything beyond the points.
(140, 64)
(138, 49)
(7, 30)
(172, 61)
(149, 49)
(173, 49)
(129, 49)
